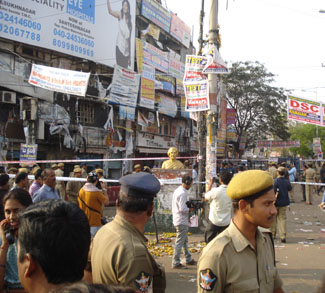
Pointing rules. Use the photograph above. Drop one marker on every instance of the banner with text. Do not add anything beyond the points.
(147, 94)
(125, 87)
(278, 144)
(59, 80)
(197, 96)
(180, 30)
(154, 56)
(193, 68)
(231, 116)
(166, 105)
(156, 13)
(28, 152)
(303, 110)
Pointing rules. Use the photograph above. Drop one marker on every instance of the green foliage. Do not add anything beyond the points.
(305, 133)
(260, 107)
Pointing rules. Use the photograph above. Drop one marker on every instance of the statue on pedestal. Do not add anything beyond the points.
(172, 163)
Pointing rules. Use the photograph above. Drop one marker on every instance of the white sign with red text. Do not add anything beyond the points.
(59, 80)
(197, 96)
(303, 110)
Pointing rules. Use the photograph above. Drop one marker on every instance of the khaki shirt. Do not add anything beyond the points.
(119, 256)
(229, 263)
(273, 171)
(73, 188)
(310, 175)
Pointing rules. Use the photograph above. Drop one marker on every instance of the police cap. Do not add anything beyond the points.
(249, 183)
(60, 165)
(140, 185)
(137, 166)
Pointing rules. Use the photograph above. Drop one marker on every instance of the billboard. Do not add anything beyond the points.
(154, 57)
(180, 30)
(86, 29)
(156, 14)
(166, 105)
(304, 110)
(278, 144)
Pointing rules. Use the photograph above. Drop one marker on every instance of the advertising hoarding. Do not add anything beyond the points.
(197, 96)
(155, 57)
(28, 152)
(156, 14)
(78, 28)
(125, 87)
(304, 110)
(278, 144)
(166, 105)
(59, 80)
(180, 30)
(231, 116)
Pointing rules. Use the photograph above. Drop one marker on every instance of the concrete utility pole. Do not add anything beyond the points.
(201, 120)
(212, 117)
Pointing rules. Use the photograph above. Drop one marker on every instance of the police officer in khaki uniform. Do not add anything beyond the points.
(60, 186)
(310, 177)
(119, 255)
(241, 258)
(73, 187)
(272, 170)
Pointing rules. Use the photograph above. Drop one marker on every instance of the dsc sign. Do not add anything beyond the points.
(305, 107)
(304, 110)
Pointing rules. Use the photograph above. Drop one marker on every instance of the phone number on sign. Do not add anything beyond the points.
(73, 47)
(7, 29)
(5, 17)
(73, 37)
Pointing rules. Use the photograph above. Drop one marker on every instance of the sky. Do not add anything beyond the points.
(287, 36)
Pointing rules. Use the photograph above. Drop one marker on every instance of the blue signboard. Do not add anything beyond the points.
(28, 152)
(157, 14)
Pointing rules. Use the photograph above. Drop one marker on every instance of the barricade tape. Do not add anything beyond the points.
(75, 179)
(309, 183)
(90, 160)
(162, 181)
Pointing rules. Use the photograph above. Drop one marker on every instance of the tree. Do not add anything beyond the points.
(260, 107)
(305, 134)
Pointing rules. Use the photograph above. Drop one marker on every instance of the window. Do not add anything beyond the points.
(86, 113)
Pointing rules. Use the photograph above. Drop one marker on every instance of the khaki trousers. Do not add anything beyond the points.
(309, 193)
(291, 192)
(281, 220)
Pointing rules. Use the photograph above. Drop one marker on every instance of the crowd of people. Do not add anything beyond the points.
(54, 238)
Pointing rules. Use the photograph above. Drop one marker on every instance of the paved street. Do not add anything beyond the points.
(300, 261)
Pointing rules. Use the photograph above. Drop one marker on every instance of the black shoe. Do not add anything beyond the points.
(283, 241)
(179, 266)
(192, 263)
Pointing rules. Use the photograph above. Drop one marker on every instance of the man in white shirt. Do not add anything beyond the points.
(181, 222)
(220, 207)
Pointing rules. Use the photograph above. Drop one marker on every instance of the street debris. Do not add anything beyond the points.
(165, 248)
